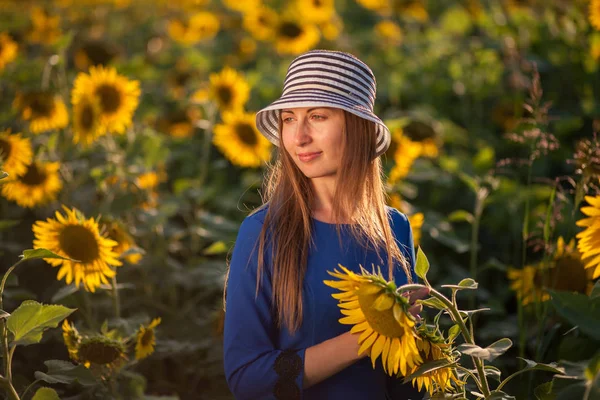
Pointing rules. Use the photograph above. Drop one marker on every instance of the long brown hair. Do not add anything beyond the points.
(289, 195)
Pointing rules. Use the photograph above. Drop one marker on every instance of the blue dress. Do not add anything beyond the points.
(262, 362)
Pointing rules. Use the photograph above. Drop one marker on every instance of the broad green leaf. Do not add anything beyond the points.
(466, 283)
(499, 395)
(489, 353)
(422, 265)
(29, 321)
(579, 310)
(45, 393)
(469, 181)
(572, 392)
(429, 367)
(552, 367)
(453, 332)
(42, 253)
(593, 368)
(433, 302)
(8, 223)
(544, 391)
(65, 372)
(218, 247)
(595, 290)
(461, 215)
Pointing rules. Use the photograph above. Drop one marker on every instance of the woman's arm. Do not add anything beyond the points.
(330, 357)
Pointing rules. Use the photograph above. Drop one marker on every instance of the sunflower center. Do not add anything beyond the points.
(34, 176)
(246, 133)
(79, 243)
(382, 322)
(317, 3)
(290, 30)
(147, 338)
(42, 104)
(110, 98)
(224, 94)
(86, 118)
(100, 351)
(568, 275)
(5, 146)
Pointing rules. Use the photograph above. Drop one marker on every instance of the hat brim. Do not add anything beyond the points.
(267, 119)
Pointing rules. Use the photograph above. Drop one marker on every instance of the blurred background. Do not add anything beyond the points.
(136, 118)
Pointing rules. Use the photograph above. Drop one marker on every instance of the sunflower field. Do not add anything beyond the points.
(129, 156)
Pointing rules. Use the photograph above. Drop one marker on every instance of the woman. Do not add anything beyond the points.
(324, 205)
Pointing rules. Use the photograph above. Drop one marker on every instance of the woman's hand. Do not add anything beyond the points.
(413, 296)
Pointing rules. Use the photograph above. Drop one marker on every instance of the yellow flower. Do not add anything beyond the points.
(101, 351)
(8, 50)
(87, 126)
(72, 339)
(595, 14)
(261, 22)
(179, 123)
(416, 223)
(439, 380)
(415, 10)
(293, 37)
(407, 151)
(117, 232)
(229, 89)
(242, 6)
(149, 182)
(589, 239)
(564, 272)
(45, 28)
(375, 5)
(331, 28)
(39, 185)
(117, 96)
(200, 26)
(371, 305)
(93, 52)
(389, 32)
(145, 340)
(15, 153)
(315, 11)
(240, 141)
(77, 238)
(44, 111)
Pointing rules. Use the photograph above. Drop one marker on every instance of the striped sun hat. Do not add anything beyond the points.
(324, 78)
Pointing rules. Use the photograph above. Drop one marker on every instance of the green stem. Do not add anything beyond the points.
(4, 278)
(471, 375)
(10, 389)
(115, 296)
(524, 233)
(479, 202)
(455, 315)
(30, 387)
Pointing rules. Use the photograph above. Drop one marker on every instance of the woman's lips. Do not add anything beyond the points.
(306, 157)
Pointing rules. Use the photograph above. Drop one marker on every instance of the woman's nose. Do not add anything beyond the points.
(303, 132)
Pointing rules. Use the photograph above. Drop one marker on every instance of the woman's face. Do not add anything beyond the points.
(314, 138)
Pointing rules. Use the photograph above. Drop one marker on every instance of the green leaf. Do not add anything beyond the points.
(595, 290)
(593, 367)
(65, 372)
(433, 302)
(218, 247)
(579, 310)
(8, 223)
(45, 393)
(491, 371)
(453, 332)
(422, 265)
(499, 395)
(490, 353)
(544, 391)
(484, 159)
(3, 174)
(466, 283)
(571, 392)
(42, 253)
(461, 215)
(429, 367)
(532, 365)
(468, 313)
(29, 321)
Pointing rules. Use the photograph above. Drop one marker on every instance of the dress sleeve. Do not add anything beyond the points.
(254, 367)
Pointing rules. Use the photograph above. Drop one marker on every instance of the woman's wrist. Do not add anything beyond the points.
(352, 343)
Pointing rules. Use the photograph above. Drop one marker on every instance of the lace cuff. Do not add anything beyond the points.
(288, 365)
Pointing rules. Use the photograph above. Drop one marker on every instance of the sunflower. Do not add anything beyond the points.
(372, 306)
(389, 32)
(261, 22)
(200, 26)
(100, 351)
(229, 89)
(8, 50)
(15, 153)
(179, 123)
(45, 28)
(39, 185)
(94, 52)
(595, 14)
(380, 6)
(145, 340)
(407, 151)
(87, 127)
(439, 380)
(240, 141)
(416, 223)
(117, 232)
(72, 339)
(117, 96)
(242, 6)
(331, 28)
(148, 182)
(316, 11)
(293, 37)
(565, 272)
(44, 111)
(589, 239)
(412, 9)
(77, 238)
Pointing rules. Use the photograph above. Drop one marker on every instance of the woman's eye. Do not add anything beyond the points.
(318, 117)
(288, 119)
